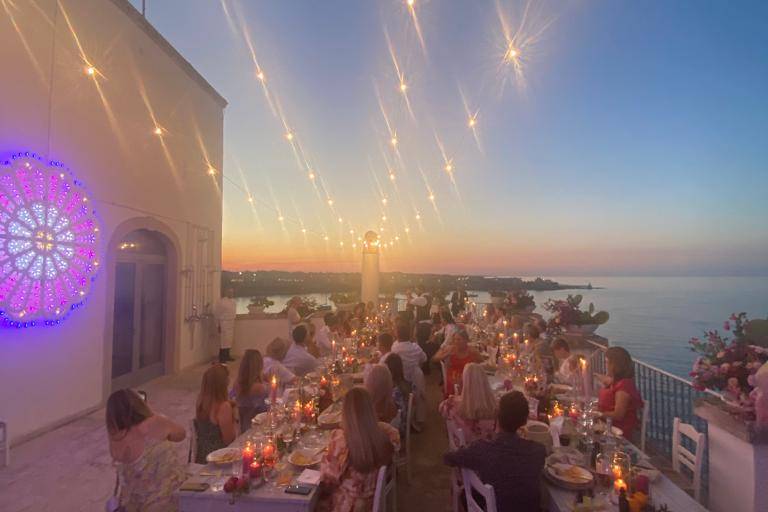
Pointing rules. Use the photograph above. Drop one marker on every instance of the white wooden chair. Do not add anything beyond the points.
(472, 483)
(455, 441)
(386, 484)
(444, 370)
(404, 457)
(644, 424)
(682, 456)
(192, 454)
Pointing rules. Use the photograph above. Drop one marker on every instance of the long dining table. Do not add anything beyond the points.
(662, 489)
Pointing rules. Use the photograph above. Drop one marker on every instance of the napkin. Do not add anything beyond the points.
(309, 477)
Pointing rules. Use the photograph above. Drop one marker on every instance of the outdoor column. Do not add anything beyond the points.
(369, 291)
(738, 460)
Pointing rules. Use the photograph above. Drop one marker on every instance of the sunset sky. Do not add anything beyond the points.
(625, 138)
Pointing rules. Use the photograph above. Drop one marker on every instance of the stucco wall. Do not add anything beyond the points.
(102, 127)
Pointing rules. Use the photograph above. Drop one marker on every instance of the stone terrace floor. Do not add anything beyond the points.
(69, 468)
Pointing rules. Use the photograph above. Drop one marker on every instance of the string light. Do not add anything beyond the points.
(250, 199)
(90, 71)
(341, 220)
(289, 136)
(326, 238)
(448, 168)
(384, 200)
(393, 140)
(418, 216)
(330, 202)
(431, 197)
(311, 175)
(281, 218)
(157, 131)
(260, 75)
(384, 218)
(391, 176)
(410, 2)
(304, 230)
(407, 229)
(472, 122)
(212, 172)
(403, 87)
(512, 53)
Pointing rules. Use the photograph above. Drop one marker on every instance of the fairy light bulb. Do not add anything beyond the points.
(326, 238)
(289, 136)
(407, 230)
(472, 122)
(403, 86)
(410, 2)
(212, 172)
(431, 197)
(393, 141)
(418, 216)
(330, 202)
(384, 218)
(304, 230)
(260, 75)
(157, 131)
(384, 200)
(391, 176)
(90, 71)
(311, 175)
(448, 167)
(250, 199)
(341, 220)
(281, 218)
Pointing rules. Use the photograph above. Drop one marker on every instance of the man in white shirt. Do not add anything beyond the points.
(225, 313)
(327, 334)
(411, 354)
(273, 366)
(297, 359)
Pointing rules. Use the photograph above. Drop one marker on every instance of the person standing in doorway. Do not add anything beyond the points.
(225, 317)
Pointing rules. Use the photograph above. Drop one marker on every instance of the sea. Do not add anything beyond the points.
(652, 317)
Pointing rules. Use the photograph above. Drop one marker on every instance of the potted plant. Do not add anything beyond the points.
(521, 302)
(258, 305)
(568, 316)
(344, 301)
(498, 297)
(729, 365)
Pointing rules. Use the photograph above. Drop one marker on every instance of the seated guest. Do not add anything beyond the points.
(251, 388)
(449, 327)
(474, 411)
(400, 391)
(355, 454)
(298, 359)
(140, 443)
(619, 399)
(311, 344)
(378, 382)
(384, 343)
(510, 464)
(424, 340)
(327, 334)
(273, 366)
(569, 367)
(411, 354)
(457, 355)
(215, 417)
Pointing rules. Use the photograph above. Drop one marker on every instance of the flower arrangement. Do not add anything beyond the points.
(520, 300)
(261, 302)
(728, 365)
(344, 298)
(567, 312)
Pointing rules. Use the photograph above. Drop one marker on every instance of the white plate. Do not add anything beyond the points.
(260, 418)
(224, 456)
(304, 458)
(569, 473)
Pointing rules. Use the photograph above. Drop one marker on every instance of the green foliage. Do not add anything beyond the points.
(261, 302)
(344, 298)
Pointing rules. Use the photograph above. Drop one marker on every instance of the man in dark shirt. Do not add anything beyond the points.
(510, 464)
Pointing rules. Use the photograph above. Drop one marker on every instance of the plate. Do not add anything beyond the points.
(304, 458)
(224, 456)
(569, 475)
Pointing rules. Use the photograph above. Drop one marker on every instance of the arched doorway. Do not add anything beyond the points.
(139, 322)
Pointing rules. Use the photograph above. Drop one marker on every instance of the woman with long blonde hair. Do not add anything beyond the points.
(355, 453)
(250, 390)
(215, 417)
(378, 382)
(474, 411)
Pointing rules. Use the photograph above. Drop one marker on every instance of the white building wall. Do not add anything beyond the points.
(102, 129)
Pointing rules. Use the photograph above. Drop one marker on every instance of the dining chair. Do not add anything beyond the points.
(386, 484)
(455, 441)
(404, 457)
(444, 370)
(644, 424)
(473, 484)
(683, 456)
(192, 454)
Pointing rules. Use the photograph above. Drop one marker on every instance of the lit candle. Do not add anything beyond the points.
(619, 484)
(333, 348)
(323, 381)
(268, 454)
(254, 470)
(247, 458)
(273, 390)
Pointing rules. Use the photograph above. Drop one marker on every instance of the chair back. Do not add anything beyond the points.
(404, 458)
(385, 484)
(192, 455)
(693, 460)
(472, 483)
(444, 370)
(644, 423)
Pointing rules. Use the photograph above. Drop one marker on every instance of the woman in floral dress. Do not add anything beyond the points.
(474, 411)
(355, 454)
(140, 442)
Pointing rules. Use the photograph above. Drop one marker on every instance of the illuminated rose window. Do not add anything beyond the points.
(49, 239)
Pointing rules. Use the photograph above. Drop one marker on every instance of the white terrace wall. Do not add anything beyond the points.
(102, 128)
